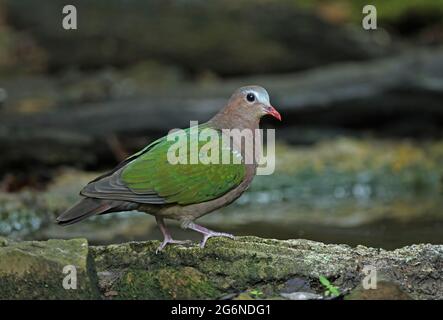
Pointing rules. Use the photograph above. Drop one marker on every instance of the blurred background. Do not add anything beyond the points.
(359, 150)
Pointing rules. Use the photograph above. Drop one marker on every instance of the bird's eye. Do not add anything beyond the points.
(250, 97)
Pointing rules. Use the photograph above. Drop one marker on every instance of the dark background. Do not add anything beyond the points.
(359, 150)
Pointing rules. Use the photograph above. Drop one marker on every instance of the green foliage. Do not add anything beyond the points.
(256, 293)
(330, 289)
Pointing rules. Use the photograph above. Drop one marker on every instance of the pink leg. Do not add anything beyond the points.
(206, 232)
(167, 236)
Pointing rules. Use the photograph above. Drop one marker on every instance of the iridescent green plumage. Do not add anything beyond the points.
(184, 183)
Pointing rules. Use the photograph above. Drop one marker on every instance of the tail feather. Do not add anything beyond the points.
(83, 209)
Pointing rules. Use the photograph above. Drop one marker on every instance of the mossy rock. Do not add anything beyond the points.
(224, 267)
(165, 283)
(34, 270)
(386, 290)
(259, 268)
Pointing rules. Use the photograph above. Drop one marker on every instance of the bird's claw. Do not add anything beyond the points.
(215, 234)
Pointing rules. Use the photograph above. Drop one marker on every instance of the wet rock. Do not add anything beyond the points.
(386, 290)
(301, 296)
(296, 285)
(34, 270)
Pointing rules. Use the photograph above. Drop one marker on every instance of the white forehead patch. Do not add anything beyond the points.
(260, 93)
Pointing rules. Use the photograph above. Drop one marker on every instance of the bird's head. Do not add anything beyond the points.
(253, 101)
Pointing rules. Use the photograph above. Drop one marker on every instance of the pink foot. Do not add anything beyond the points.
(206, 236)
(167, 237)
(206, 232)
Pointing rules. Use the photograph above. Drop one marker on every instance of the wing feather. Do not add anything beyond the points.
(148, 177)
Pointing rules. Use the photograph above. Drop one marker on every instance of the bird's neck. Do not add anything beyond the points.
(226, 119)
(232, 121)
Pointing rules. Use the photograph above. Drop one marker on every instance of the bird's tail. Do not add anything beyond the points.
(85, 208)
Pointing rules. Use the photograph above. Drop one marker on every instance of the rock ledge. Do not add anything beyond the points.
(225, 268)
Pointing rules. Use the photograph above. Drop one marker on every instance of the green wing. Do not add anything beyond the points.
(182, 183)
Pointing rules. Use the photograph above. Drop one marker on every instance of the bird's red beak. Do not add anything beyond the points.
(271, 110)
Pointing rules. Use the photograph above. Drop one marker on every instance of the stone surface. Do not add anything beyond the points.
(34, 269)
(133, 270)
(385, 291)
(301, 296)
(248, 267)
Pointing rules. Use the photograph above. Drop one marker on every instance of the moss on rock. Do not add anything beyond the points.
(262, 268)
(134, 270)
(165, 283)
(34, 270)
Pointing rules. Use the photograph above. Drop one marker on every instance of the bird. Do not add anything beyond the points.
(149, 182)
